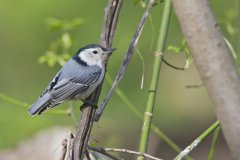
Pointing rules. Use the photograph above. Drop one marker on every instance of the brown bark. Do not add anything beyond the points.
(215, 65)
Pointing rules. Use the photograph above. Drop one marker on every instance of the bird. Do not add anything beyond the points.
(77, 79)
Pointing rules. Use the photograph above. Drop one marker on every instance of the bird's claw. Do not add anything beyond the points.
(88, 104)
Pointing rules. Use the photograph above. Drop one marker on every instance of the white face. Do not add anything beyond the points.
(94, 56)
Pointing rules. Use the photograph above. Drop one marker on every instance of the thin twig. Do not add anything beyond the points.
(16, 102)
(104, 150)
(84, 129)
(126, 60)
(195, 143)
(13, 101)
(143, 68)
(172, 66)
(196, 85)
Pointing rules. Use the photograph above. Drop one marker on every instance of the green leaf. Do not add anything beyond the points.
(77, 22)
(174, 49)
(189, 59)
(50, 58)
(136, 1)
(63, 58)
(61, 61)
(183, 49)
(42, 59)
(66, 41)
(158, 2)
(141, 2)
(230, 29)
(184, 43)
(66, 56)
(54, 24)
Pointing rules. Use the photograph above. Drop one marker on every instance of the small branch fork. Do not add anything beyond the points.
(105, 150)
(126, 60)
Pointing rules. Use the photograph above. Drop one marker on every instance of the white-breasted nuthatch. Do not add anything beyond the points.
(77, 79)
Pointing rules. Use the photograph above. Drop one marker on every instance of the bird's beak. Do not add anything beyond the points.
(110, 50)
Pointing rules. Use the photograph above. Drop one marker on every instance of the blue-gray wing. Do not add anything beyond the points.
(65, 86)
(52, 83)
(69, 88)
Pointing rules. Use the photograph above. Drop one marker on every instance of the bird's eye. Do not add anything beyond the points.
(94, 52)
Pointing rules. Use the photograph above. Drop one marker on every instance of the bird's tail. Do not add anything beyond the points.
(41, 104)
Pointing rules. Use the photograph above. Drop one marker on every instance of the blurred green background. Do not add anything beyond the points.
(24, 37)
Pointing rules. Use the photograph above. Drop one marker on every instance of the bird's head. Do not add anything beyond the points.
(94, 54)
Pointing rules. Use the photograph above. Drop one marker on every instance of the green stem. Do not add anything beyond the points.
(154, 127)
(214, 143)
(195, 143)
(13, 101)
(236, 25)
(26, 105)
(155, 76)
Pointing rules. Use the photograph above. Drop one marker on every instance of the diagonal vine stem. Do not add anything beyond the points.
(126, 60)
(195, 143)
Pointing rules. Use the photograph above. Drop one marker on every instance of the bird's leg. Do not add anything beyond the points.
(87, 103)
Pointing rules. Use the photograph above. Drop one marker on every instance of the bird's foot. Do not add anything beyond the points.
(87, 104)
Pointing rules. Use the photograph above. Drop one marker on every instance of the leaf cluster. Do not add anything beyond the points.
(59, 49)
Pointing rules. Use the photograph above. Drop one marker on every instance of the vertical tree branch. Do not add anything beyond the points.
(110, 22)
(155, 76)
(215, 65)
(86, 121)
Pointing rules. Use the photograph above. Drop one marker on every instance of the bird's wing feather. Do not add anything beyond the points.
(69, 88)
(52, 83)
(68, 82)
